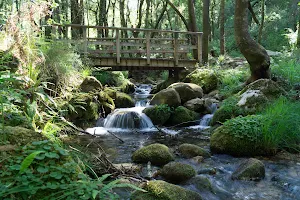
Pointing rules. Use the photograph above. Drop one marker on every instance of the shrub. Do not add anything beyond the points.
(281, 125)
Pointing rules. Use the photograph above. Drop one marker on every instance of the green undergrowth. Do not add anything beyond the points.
(45, 170)
(276, 128)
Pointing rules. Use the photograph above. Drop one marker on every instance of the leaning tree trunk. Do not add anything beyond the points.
(255, 54)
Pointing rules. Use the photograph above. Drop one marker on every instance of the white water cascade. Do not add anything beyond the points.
(206, 119)
(126, 119)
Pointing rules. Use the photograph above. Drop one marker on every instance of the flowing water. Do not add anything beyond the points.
(282, 179)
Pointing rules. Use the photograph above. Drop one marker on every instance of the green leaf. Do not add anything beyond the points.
(42, 169)
(28, 160)
(52, 155)
(56, 175)
(95, 193)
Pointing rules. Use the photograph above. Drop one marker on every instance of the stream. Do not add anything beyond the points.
(282, 179)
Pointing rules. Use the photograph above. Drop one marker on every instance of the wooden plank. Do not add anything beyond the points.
(148, 46)
(118, 46)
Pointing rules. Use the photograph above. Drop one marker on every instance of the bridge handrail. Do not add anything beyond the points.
(126, 29)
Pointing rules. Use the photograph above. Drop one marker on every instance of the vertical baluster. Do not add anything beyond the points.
(118, 46)
(199, 47)
(148, 47)
(176, 48)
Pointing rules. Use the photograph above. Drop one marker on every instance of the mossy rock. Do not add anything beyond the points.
(115, 78)
(187, 91)
(89, 84)
(202, 183)
(123, 100)
(157, 154)
(230, 109)
(21, 136)
(166, 96)
(266, 86)
(182, 115)
(111, 92)
(127, 87)
(206, 78)
(161, 190)
(158, 114)
(177, 172)
(241, 136)
(197, 105)
(163, 85)
(191, 150)
(250, 169)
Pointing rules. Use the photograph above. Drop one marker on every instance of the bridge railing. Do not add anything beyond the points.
(118, 43)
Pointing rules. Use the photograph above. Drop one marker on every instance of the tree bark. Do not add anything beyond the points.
(261, 27)
(222, 27)
(77, 14)
(255, 54)
(206, 31)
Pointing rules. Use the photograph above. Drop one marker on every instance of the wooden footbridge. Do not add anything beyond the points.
(120, 49)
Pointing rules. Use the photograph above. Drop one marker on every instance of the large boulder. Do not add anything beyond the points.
(157, 154)
(250, 169)
(127, 87)
(197, 105)
(252, 99)
(161, 190)
(123, 100)
(187, 91)
(89, 84)
(21, 136)
(182, 115)
(191, 150)
(158, 114)
(241, 136)
(177, 172)
(166, 96)
(206, 78)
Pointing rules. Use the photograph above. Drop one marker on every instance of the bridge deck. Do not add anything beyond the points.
(129, 48)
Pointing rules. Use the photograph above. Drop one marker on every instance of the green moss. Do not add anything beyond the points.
(111, 92)
(241, 136)
(90, 83)
(181, 115)
(177, 172)
(161, 190)
(21, 136)
(158, 114)
(110, 78)
(123, 100)
(157, 154)
(127, 87)
(191, 150)
(228, 110)
(206, 78)
(166, 96)
(251, 169)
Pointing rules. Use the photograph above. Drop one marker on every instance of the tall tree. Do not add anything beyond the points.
(206, 30)
(77, 16)
(255, 54)
(261, 27)
(222, 27)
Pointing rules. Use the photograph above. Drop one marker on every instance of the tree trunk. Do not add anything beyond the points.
(179, 14)
(222, 27)
(261, 27)
(77, 14)
(206, 30)
(255, 54)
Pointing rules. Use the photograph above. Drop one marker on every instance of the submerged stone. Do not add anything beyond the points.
(157, 154)
(250, 169)
(161, 190)
(191, 150)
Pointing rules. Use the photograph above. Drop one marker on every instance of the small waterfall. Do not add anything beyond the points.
(206, 119)
(128, 118)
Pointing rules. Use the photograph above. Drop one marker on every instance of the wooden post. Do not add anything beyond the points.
(148, 47)
(176, 48)
(118, 46)
(199, 47)
(85, 41)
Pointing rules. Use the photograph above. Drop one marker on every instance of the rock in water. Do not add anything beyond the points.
(161, 190)
(123, 100)
(158, 114)
(177, 172)
(187, 91)
(181, 115)
(157, 154)
(191, 150)
(166, 96)
(251, 169)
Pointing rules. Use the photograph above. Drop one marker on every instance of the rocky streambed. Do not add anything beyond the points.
(213, 174)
